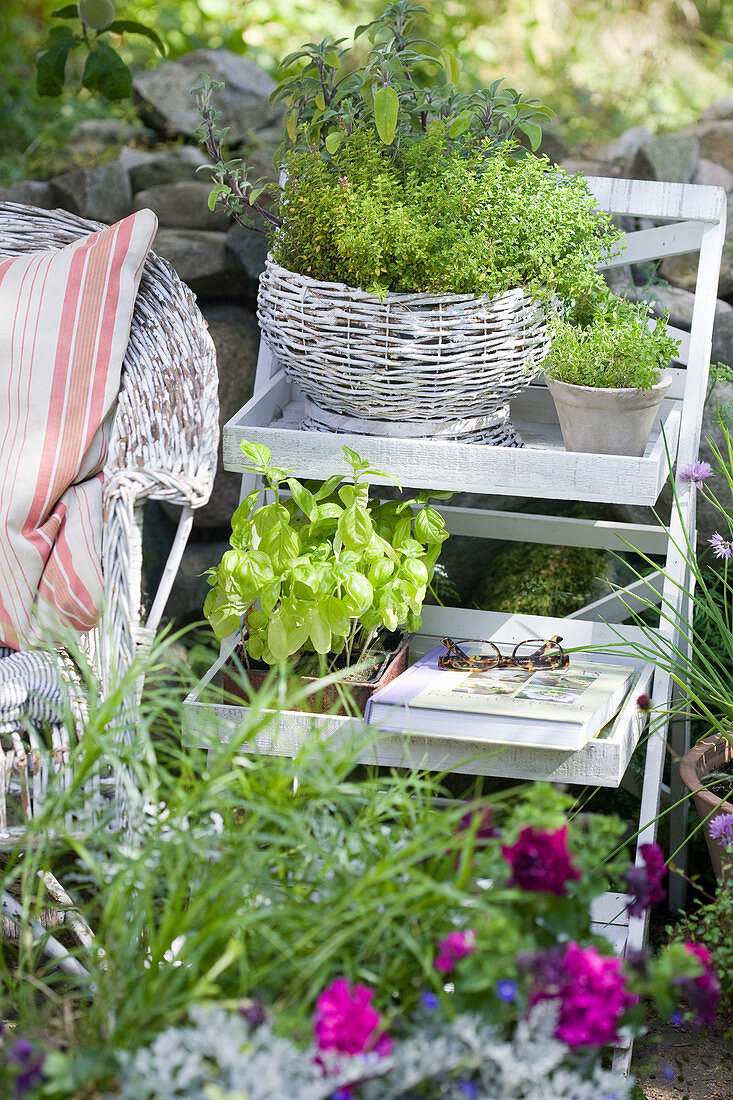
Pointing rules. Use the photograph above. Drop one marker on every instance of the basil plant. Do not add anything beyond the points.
(322, 568)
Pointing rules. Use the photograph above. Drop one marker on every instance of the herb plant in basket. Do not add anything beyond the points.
(414, 242)
(605, 371)
(324, 578)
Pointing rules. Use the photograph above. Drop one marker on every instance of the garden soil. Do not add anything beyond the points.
(684, 1063)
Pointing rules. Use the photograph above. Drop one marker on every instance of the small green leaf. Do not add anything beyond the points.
(303, 498)
(105, 72)
(320, 102)
(51, 68)
(130, 26)
(336, 615)
(69, 11)
(451, 66)
(533, 132)
(355, 527)
(429, 526)
(277, 638)
(320, 635)
(386, 110)
(359, 593)
(258, 454)
(460, 124)
(333, 141)
(216, 193)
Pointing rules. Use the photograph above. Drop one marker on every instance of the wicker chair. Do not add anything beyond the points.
(163, 447)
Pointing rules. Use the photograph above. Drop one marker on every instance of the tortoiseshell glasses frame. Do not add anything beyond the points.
(550, 655)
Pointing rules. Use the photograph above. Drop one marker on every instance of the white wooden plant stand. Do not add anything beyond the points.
(682, 218)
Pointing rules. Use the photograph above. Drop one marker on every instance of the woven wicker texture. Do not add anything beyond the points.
(409, 358)
(164, 438)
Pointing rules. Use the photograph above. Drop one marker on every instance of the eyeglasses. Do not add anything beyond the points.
(524, 655)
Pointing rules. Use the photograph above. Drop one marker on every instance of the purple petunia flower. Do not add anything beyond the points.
(703, 992)
(30, 1065)
(540, 861)
(697, 472)
(645, 881)
(591, 989)
(721, 828)
(722, 548)
(430, 1000)
(346, 1021)
(454, 946)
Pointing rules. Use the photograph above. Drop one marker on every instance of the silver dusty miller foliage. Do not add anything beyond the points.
(218, 1056)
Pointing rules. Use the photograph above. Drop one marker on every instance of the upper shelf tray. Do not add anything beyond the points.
(542, 468)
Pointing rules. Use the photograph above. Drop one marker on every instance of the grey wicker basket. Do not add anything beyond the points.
(413, 364)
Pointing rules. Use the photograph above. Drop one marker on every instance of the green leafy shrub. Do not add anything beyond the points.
(543, 580)
(396, 181)
(325, 569)
(438, 217)
(605, 341)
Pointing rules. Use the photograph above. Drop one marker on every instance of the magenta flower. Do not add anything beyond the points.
(540, 861)
(592, 992)
(346, 1021)
(646, 880)
(703, 992)
(721, 547)
(697, 472)
(455, 946)
(721, 828)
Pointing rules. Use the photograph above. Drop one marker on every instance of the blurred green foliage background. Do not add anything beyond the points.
(602, 65)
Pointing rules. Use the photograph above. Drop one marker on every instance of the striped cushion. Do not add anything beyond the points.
(64, 325)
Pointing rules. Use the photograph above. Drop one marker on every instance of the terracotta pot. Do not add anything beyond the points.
(704, 757)
(329, 700)
(601, 421)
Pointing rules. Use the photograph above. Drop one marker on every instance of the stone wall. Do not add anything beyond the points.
(154, 164)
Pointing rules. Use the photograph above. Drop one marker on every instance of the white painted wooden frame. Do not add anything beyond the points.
(691, 218)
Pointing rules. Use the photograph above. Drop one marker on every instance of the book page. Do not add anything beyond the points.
(570, 694)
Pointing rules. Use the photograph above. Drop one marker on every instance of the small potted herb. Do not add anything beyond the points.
(605, 371)
(414, 241)
(326, 577)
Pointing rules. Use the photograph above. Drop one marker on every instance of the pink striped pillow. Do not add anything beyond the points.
(64, 325)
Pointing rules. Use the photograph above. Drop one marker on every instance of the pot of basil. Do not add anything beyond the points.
(605, 373)
(415, 244)
(323, 574)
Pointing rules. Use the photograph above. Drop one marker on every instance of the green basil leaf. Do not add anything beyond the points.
(258, 454)
(430, 525)
(328, 487)
(359, 592)
(303, 497)
(277, 638)
(269, 596)
(320, 635)
(336, 615)
(355, 527)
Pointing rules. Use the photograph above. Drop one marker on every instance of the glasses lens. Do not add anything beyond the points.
(474, 654)
(536, 653)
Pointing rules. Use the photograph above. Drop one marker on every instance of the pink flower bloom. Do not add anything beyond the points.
(722, 548)
(455, 946)
(345, 1021)
(703, 992)
(721, 828)
(540, 861)
(697, 472)
(592, 992)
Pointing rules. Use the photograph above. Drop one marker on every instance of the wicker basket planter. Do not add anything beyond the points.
(411, 365)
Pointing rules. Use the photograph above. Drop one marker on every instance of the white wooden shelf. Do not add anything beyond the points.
(542, 468)
(601, 762)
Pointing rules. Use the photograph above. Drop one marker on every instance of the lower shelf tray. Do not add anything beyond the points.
(601, 762)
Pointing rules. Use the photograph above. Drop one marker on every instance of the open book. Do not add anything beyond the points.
(557, 708)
